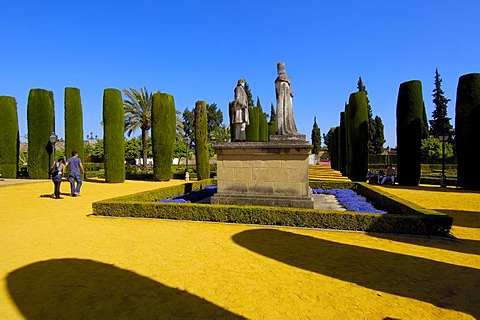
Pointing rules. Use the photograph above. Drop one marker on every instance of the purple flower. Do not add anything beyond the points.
(350, 200)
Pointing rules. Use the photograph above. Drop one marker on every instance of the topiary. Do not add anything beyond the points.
(252, 132)
(40, 125)
(231, 112)
(201, 147)
(73, 123)
(8, 137)
(357, 123)
(409, 132)
(163, 135)
(467, 117)
(114, 141)
(342, 145)
(262, 127)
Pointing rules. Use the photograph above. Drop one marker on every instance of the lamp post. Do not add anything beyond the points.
(53, 139)
(187, 141)
(443, 138)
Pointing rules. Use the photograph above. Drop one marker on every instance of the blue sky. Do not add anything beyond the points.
(197, 50)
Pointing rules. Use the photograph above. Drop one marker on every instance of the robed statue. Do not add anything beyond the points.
(285, 121)
(240, 107)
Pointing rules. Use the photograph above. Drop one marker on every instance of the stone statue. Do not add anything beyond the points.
(240, 107)
(285, 121)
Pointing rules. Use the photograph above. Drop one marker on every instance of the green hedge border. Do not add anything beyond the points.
(407, 218)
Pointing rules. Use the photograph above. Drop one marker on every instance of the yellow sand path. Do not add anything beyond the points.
(59, 263)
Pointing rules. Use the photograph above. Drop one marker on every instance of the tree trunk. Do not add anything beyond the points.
(144, 147)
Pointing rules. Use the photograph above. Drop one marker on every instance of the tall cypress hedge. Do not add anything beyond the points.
(9, 146)
(335, 149)
(201, 147)
(467, 120)
(342, 160)
(73, 123)
(231, 112)
(40, 125)
(262, 127)
(348, 156)
(357, 123)
(114, 141)
(253, 129)
(409, 132)
(163, 135)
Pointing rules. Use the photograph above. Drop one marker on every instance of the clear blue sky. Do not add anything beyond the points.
(197, 50)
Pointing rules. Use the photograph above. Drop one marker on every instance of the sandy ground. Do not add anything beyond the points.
(60, 263)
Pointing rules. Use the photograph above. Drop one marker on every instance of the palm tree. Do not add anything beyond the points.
(138, 115)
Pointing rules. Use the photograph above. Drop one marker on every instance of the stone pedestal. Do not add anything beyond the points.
(271, 173)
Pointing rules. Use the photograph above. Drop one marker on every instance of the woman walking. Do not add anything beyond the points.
(57, 170)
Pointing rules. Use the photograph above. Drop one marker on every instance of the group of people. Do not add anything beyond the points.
(381, 176)
(76, 171)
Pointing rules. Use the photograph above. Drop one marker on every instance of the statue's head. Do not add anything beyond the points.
(281, 67)
(241, 82)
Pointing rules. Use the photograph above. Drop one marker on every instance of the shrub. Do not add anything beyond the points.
(342, 160)
(40, 123)
(163, 135)
(262, 127)
(407, 217)
(253, 129)
(201, 146)
(114, 142)
(9, 148)
(73, 123)
(467, 118)
(357, 123)
(409, 132)
(231, 112)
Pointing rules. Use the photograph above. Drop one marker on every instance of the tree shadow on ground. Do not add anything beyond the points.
(85, 289)
(468, 219)
(443, 285)
(456, 245)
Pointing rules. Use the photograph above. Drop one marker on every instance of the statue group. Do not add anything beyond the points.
(284, 94)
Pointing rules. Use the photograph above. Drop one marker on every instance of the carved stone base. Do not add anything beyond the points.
(263, 173)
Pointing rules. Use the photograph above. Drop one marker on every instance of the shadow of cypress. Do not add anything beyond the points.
(86, 289)
(443, 285)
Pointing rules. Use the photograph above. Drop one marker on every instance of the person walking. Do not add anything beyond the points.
(75, 175)
(57, 170)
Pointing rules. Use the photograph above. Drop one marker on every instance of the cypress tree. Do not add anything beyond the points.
(357, 117)
(348, 152)
(467, 119)
(409, 132)
(262, 123)
(9, 147)
(231, 112)
(342, 160)
(316, 138)
(73, 122)
(249, 95)
(440, 123)
(371, 124)
(253, 129)
(379, 137)
(335, 148)
(114, 141)
(40, 123)
(272, 123)
(201, 147)
(163, 135)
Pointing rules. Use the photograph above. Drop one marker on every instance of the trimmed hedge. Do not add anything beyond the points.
(9, 147)
(467, 118)
(409, 132)
(114, 142)
(40, 123)
(262, 127)
(253, 129)
(201, 147)
(342, 161)
(231, 112)
(163, 135)
(408, 218)
(357, 123)
(73, 123)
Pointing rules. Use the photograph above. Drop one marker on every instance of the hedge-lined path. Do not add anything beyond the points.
(57, 262)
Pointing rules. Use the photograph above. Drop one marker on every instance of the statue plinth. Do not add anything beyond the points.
(271, 173)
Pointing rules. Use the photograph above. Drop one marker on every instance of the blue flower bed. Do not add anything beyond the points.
(350, 200)
(193, 196)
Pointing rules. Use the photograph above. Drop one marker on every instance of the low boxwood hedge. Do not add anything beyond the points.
(405, 218)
